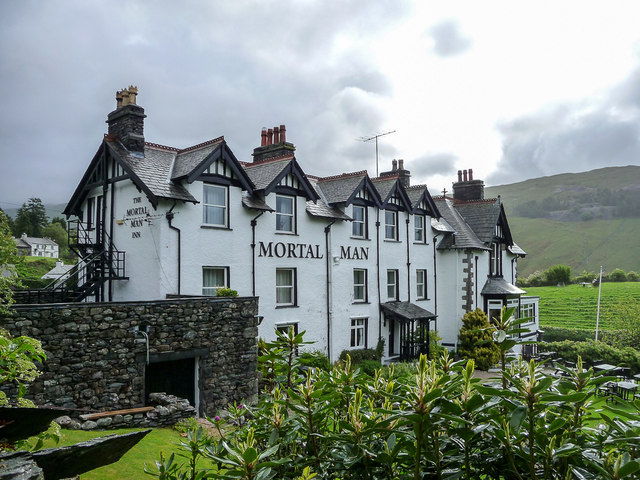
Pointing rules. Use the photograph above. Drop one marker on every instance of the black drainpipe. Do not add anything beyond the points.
(408, 266)
(169, 216)
(254, 222)
(327, 230)
(112, 201)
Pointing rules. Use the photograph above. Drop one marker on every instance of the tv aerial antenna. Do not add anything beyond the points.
(375, 137)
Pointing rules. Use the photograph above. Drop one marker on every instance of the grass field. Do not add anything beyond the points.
(575, 306)
(131, 465)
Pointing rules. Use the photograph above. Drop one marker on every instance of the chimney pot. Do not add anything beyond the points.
(464, 175)
(276, 135)
(283, 133)
(394, 165)
(263, 137)
(470, 174)
(459, 175)
(270, 136)
(401, 164)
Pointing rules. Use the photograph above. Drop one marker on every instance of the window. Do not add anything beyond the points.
(390, 225)
(359, 224)
(285, 286)
(528, 311)
(421, 284)
(359, 332)
(285, 218)
(214, 278)
(90, 207)
(285, 327)
(418, 228)
(494, 310)
(495, 259)
(392, 284)
(360, 285)
(214, 205)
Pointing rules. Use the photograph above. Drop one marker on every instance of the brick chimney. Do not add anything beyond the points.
(126, 122)
(466, 188)
(273, 143)
(397, 168)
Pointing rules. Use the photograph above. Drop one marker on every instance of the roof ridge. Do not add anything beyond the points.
(161, 147)
(477, 201)
(343, 175)
(389, 177)
(284, 156)
(414, 187)
(203, 144)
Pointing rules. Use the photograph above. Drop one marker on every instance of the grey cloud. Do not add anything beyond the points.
(433, 164)
(568, 138)
(448, 39)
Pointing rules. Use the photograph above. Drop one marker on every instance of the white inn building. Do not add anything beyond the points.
(349, 259)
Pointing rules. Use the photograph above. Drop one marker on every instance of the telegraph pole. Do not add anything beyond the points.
(375, 137)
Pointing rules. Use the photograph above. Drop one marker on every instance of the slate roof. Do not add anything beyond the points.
(262, 174)
(384, 185)
(416, 193)
(516, 250)
(59, 270)
(153, 170)
(499, 286)
(190, 158)
(255, 202)
(322, 207)
(481, 216)
(339, 189)
(406, 311)
(28, 241)
(464, 236)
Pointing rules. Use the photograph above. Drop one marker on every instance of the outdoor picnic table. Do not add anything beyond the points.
(625, 390)
(637, 377)
(604, 367)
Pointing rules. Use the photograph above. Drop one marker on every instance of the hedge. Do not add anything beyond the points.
(592, 351)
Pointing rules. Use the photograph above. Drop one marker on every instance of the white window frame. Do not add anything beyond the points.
(392, 284)
(360, 289)
(419, 235)
(361, 223)
(421, 283)
(211, 290)
(528, 310)
(494, 305)
(215, 206)
(390, 228)
(280, 214)
(286, 287)
(358, 332)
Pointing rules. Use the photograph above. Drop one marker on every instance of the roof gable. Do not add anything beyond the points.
(348, 188)
(272, 174)
(393, 193)
(421, 201)
(487, 219)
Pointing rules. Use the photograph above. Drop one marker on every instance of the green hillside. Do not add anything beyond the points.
(579, 219)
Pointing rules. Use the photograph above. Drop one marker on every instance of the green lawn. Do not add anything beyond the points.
(575, 306)
(131, 465)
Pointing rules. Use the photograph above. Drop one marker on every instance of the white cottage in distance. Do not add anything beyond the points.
(349, 259)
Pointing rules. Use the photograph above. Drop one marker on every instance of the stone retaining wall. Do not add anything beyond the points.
(94, 361)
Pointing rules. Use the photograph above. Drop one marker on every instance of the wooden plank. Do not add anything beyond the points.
(128, 411)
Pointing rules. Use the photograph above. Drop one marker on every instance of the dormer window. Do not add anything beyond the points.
(285, 214)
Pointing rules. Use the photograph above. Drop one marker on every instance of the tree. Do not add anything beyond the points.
(624, 321)
(632, 276)
(557, 275)
(55, 232)
(617, 275)
(8, 252)
(61, 221)
(31, 219)
(476, 340)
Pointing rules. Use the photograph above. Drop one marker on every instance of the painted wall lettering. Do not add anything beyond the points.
(289, 250)
(355, 253)
(137, 211)
(135, 234)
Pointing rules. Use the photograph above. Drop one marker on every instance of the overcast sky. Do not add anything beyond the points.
(511, 89)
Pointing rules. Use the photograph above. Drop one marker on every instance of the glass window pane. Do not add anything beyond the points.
(284, 205)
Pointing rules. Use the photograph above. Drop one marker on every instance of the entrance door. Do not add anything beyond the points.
(176, 377)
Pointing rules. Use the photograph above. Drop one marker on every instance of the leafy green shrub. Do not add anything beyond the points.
(592, 351)
(475, 340)
(585, 277)
(559, 334)
(226, 292)
(363, 354)
(29, 283)
(617, 275)
(557, 275)
(369, 367)
(632, 276)
(315, 359)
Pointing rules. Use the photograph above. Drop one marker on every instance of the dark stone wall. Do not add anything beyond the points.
(95, 360)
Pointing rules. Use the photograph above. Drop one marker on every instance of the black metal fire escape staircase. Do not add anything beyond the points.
(99, 261)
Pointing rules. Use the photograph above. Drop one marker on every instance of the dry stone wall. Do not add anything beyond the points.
(96, 362)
